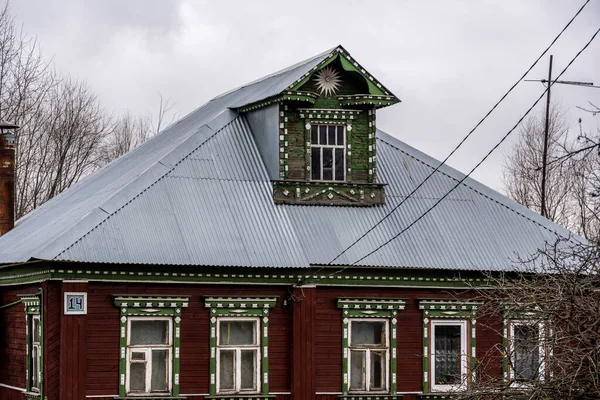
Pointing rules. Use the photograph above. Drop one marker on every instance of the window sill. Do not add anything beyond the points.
(32, 395)
(370, 396)
(436, 396)
(241, 397)
(150, 397)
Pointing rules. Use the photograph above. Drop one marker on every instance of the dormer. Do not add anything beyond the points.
(317, 137)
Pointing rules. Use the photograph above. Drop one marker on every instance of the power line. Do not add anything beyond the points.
(460, 144)
(480, 162)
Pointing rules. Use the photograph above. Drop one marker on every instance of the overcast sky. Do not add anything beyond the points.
(448, 61)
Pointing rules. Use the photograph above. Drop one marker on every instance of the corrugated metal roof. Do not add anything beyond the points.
(199, 194)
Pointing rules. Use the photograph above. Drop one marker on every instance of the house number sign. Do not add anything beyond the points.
(75, 303)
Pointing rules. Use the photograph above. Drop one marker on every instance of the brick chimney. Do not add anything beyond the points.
(7, 176)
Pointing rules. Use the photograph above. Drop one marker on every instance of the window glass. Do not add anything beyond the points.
(340, 135)
(331, 135)
(377, 370)
(36, 330)
(159, 371)
(357, 370)
(149, 332)
(248, 369)
(314, 134)
(138, 356)
(237, 333)
(137, 377)
(447, 354)
(339, 164)
(322, 134)
(327, 164)
(226, 370)
(368, 332)
(315, 165)
(35, 367)
(526, 351)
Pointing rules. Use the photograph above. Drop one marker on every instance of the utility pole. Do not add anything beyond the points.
(543, 210)
(545, 152)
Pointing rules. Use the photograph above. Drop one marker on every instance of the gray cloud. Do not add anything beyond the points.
(449, 61)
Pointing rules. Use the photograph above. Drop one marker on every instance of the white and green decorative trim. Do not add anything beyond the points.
(283, 141)
(247, 306)
(33, 308)
(448, 309)
(150, 306)
(371, 143)
(369, 308)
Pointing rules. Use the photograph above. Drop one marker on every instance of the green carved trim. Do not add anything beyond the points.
(234, 306)
(348, 64)
(328, 193)
(369, 308)
(367, 99)
(446, 308)
(426, 373)
(309, 97)
(150, 398)
(134, 305)
(32, 303)
(505, 351)
(33, 308)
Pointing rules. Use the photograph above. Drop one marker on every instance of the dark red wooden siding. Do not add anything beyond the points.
(12, 339)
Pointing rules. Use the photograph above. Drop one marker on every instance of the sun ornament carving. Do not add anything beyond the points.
(328, 81)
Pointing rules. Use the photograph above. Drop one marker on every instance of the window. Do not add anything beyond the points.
(239, 339)
(526, 351)
(328, 147)
(149, 349)
(449, 343)
(150, 334)
(238, 355)
(448, 355)
(36, 354)
(369, 345)
(369, 355)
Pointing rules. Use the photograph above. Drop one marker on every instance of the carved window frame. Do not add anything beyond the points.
(150, 307)
(459, 312)
(242, 307)
(355, 309)
(33, 312)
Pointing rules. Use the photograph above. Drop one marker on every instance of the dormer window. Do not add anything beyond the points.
(328, 147)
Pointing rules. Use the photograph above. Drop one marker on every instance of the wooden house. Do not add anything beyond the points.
(221, 259)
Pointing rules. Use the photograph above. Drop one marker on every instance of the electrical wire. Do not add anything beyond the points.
(460, 144)
(480, 162)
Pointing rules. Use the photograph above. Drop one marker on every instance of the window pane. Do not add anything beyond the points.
(339, 164)
(149, 332)
(327, 164)
(315, 164)
(331, 135)
(35, 366)
(226, 370)
(368, 332)
(447, 354)
(357, 370)
(248, 370)
(138, 356)
(35, 327)
(314, 134)
(340, 135)
(526, 351)
(237, 332)
(377, 370)
(158, 381)
(137, 377)
(322, 134)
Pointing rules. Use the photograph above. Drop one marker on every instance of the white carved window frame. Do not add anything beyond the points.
(368, 349)
(464, 354)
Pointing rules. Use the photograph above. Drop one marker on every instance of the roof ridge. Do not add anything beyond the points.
(569, 237)
(162, 176)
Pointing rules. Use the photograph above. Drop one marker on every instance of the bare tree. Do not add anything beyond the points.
(556, 299)
(573, 174)
(523, 167)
